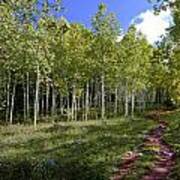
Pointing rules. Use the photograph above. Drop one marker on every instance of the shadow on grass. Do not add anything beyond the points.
(84, 153)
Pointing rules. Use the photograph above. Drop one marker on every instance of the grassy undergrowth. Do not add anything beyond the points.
(172, 136)
(74, 150)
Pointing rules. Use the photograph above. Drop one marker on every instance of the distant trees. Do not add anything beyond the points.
(175, 49)
(170, 48)
(136, 64)
(106, 30)
(51, 68)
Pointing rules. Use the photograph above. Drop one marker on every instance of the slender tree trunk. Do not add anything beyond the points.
(120, 105)
(42, 102)
(116, 102)
(126, 102)
(102, 98)
(61, 104)
(144, 102)
(12, 102)
(47, 99)
(87, 101)
(108, 104)
(157, 98)
(36, 101)
(91, 93)
(53, 109)
(95, 99)
(153, 97)
(75, 110)
(24, 101)
(132, 103)
(73, 102)
(83, 106)
(27, 96)
(78, 103)
(68, 108)
(8, 97)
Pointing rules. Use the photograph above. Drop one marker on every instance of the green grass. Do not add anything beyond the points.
(74, 150)
(172, 136)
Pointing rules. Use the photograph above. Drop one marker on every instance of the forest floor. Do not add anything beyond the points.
(92, 149)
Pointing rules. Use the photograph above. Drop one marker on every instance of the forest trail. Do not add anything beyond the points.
(163, 153)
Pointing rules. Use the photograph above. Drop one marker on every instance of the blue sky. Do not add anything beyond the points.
(82, 10)
(137, 12)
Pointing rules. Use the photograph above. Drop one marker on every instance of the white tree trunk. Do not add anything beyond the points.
(91, 83)
(74, 108)
(87, 101)
(96, 100)
(153, 96)
(27, 96)
(36, 101)
(119, 101)
(53, 109)
(42, 102)
(144, 101)
(12, 102)
(126, 102)
(8, 97)
(78, 101)
(68, 108)
(116, 102)
(102, 98)
(61, 104)
(47, 99)
(83, 106)
(24, 101)
(132, 103)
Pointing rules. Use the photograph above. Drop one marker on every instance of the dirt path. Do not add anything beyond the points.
(127, 165)
(164, 154)
(164, 161)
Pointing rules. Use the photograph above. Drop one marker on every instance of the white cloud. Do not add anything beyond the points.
(153, 26)
(119, 38)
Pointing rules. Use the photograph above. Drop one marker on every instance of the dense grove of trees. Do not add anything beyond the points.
(52, 68)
